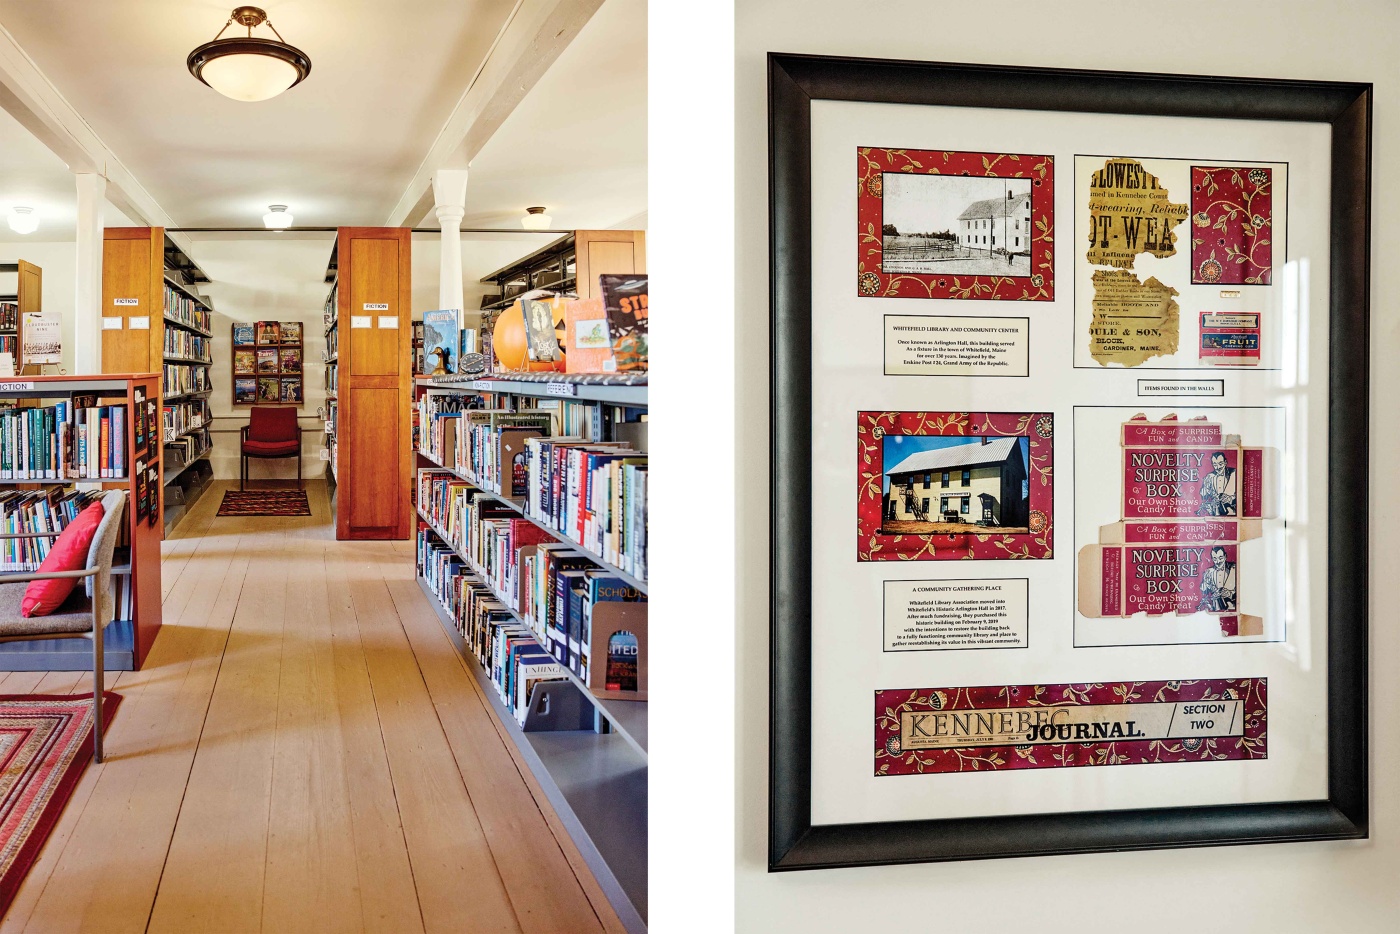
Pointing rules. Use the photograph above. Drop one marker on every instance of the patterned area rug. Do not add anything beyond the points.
(265, 503)
(45, 743)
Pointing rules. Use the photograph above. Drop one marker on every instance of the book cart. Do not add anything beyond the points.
(588, 753)
(136, 565)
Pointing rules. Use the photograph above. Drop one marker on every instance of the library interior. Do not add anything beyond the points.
(323, 466)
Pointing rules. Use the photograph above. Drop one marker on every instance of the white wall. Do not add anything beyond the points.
(1286, 888)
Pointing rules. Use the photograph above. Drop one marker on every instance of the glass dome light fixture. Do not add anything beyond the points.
(536, 219)
(249, 68)
(23, 220)
(277, 217)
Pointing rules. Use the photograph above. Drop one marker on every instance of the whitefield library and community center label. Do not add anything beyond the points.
(956, 345)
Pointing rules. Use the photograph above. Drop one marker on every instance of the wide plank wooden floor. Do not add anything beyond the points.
(304, 751)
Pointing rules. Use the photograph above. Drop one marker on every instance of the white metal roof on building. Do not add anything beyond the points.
(996, 207)
(961, 455)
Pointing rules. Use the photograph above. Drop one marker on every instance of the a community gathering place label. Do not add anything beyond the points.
(956, 614)
(956, 345)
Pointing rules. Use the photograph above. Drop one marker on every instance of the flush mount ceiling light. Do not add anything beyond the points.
(277, 217)
(247, 68)
(23, 220)
(536, 219)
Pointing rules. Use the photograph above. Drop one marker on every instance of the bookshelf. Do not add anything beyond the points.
(136, 571)
(589, 751)
(374, 383)
(330, 320)
(27, 297)
(154, 321)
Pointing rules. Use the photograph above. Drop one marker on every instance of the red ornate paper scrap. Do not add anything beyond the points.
(1231, 225)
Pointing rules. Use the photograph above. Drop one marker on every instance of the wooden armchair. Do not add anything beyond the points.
(85, 613)
(270, 432)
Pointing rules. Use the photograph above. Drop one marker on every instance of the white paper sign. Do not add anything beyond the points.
(126, 301)
(389, 321)
(376, 306)
(7, 364)
(43, 341)
(361, 321)
(143, 323)
(112, 324)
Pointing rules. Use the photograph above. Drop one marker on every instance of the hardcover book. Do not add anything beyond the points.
(587, 346)
(440, 341)
(625, 303)
(541, 342)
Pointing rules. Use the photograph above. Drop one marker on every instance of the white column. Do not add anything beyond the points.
(450, 205)
(87, 289)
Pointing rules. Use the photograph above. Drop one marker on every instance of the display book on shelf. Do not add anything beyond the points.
(187, 347)
(532, 547)
(64, 440)
(267, 363)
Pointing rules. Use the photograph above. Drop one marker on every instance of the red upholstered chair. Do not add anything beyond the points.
(271, 432)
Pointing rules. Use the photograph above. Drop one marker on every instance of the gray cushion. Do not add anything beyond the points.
(73, 616)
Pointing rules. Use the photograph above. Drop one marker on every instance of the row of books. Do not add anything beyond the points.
(332, 379)
(184, 416)
(9, 343)
(9, 316)
(63, 441)
(180, 343)
(592, 494)
(267, 332)
(504, 648)
(550, 586)
(183, 378)
(185, 449)
(29, 511)
(333, 345)
(186, 310)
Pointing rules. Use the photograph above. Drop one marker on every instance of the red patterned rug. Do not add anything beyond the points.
(265, 503)
(45, 743)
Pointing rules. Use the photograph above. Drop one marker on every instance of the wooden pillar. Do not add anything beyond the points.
(376, 383)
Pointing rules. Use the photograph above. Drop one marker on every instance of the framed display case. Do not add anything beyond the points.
(1069, 461)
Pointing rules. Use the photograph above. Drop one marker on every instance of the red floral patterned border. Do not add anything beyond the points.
(873, 544)
(1231, 225)
(872, 280)
(891, 759)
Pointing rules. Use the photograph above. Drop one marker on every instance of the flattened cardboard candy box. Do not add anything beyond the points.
(1191, 469)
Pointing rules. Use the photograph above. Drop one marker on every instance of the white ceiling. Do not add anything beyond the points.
(341, 147)
(338, 148)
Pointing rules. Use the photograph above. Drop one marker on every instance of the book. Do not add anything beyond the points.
(587, 347)
(244, 362)
(541, 342)
(267, 359)
(243, 334)
(245, 391)
(291, 332)
(625, 304)
(440, 341)
(267, 332)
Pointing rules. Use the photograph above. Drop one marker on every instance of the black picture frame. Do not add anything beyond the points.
(794, 81)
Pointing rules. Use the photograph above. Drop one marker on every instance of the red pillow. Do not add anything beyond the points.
(69, 553)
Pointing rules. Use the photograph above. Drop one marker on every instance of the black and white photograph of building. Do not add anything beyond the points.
(956, 225)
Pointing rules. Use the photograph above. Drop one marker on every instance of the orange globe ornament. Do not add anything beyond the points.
(508, 339)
